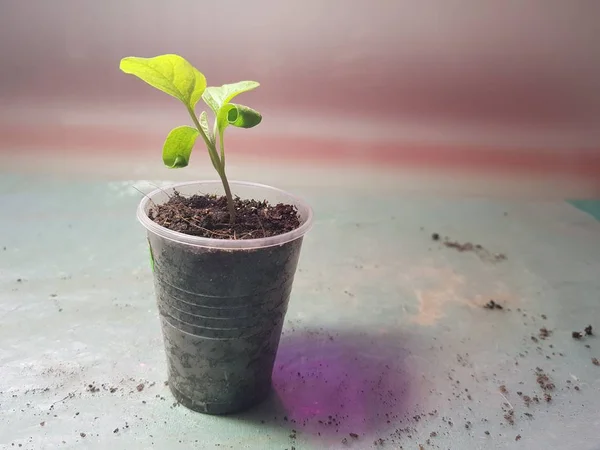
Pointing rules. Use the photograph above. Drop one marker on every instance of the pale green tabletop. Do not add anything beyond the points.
(386, 345)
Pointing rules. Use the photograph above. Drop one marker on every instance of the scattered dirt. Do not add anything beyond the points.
(510, 417)
(577, 334)
(479, 250)
(511, 413)
(492, 305)
(544, 333)
(543, 380)
(435, 236)
(208, 216)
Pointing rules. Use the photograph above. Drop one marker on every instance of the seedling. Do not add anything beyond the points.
(175, 76)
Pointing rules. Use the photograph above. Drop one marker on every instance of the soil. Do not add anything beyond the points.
(588, 331)
(482, 252)
(510, 417)
(577, 334)
(595, 362)
(493, 305)
(545, 333)
(207, 216)
(544, 381)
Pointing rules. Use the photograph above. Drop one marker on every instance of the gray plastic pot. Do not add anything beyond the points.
(222, 303)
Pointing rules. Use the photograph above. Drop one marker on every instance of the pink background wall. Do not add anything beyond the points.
(518, 78)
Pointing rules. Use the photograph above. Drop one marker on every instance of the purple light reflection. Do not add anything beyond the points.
(336, 385)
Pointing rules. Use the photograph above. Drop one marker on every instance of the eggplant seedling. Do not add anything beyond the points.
(175, 76)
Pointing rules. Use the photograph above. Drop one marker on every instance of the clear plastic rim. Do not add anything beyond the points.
(226, 244)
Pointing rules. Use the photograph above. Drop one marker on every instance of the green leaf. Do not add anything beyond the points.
(169, 73)
(178, 146)
(205, 127)
(216, 97)
(151, 256)
(237, 115)
(246, 117)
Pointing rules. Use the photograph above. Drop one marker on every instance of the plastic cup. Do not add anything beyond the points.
(222, 303)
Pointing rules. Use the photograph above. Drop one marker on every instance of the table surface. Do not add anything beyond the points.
(387, 343)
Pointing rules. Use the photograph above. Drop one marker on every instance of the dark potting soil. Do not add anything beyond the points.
(208, 216)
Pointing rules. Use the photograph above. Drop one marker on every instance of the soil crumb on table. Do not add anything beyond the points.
(208, 216)
(545, 333)
(493, 305)
(543, 380)
(479, 250)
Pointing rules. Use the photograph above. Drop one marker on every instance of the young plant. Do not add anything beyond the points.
(175, 76)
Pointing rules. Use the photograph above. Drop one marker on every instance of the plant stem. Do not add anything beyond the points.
(205, 137)
(230, 204)
(222, 145)
(218, 163)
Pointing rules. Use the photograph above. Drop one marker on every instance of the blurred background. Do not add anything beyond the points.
(457, 89)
